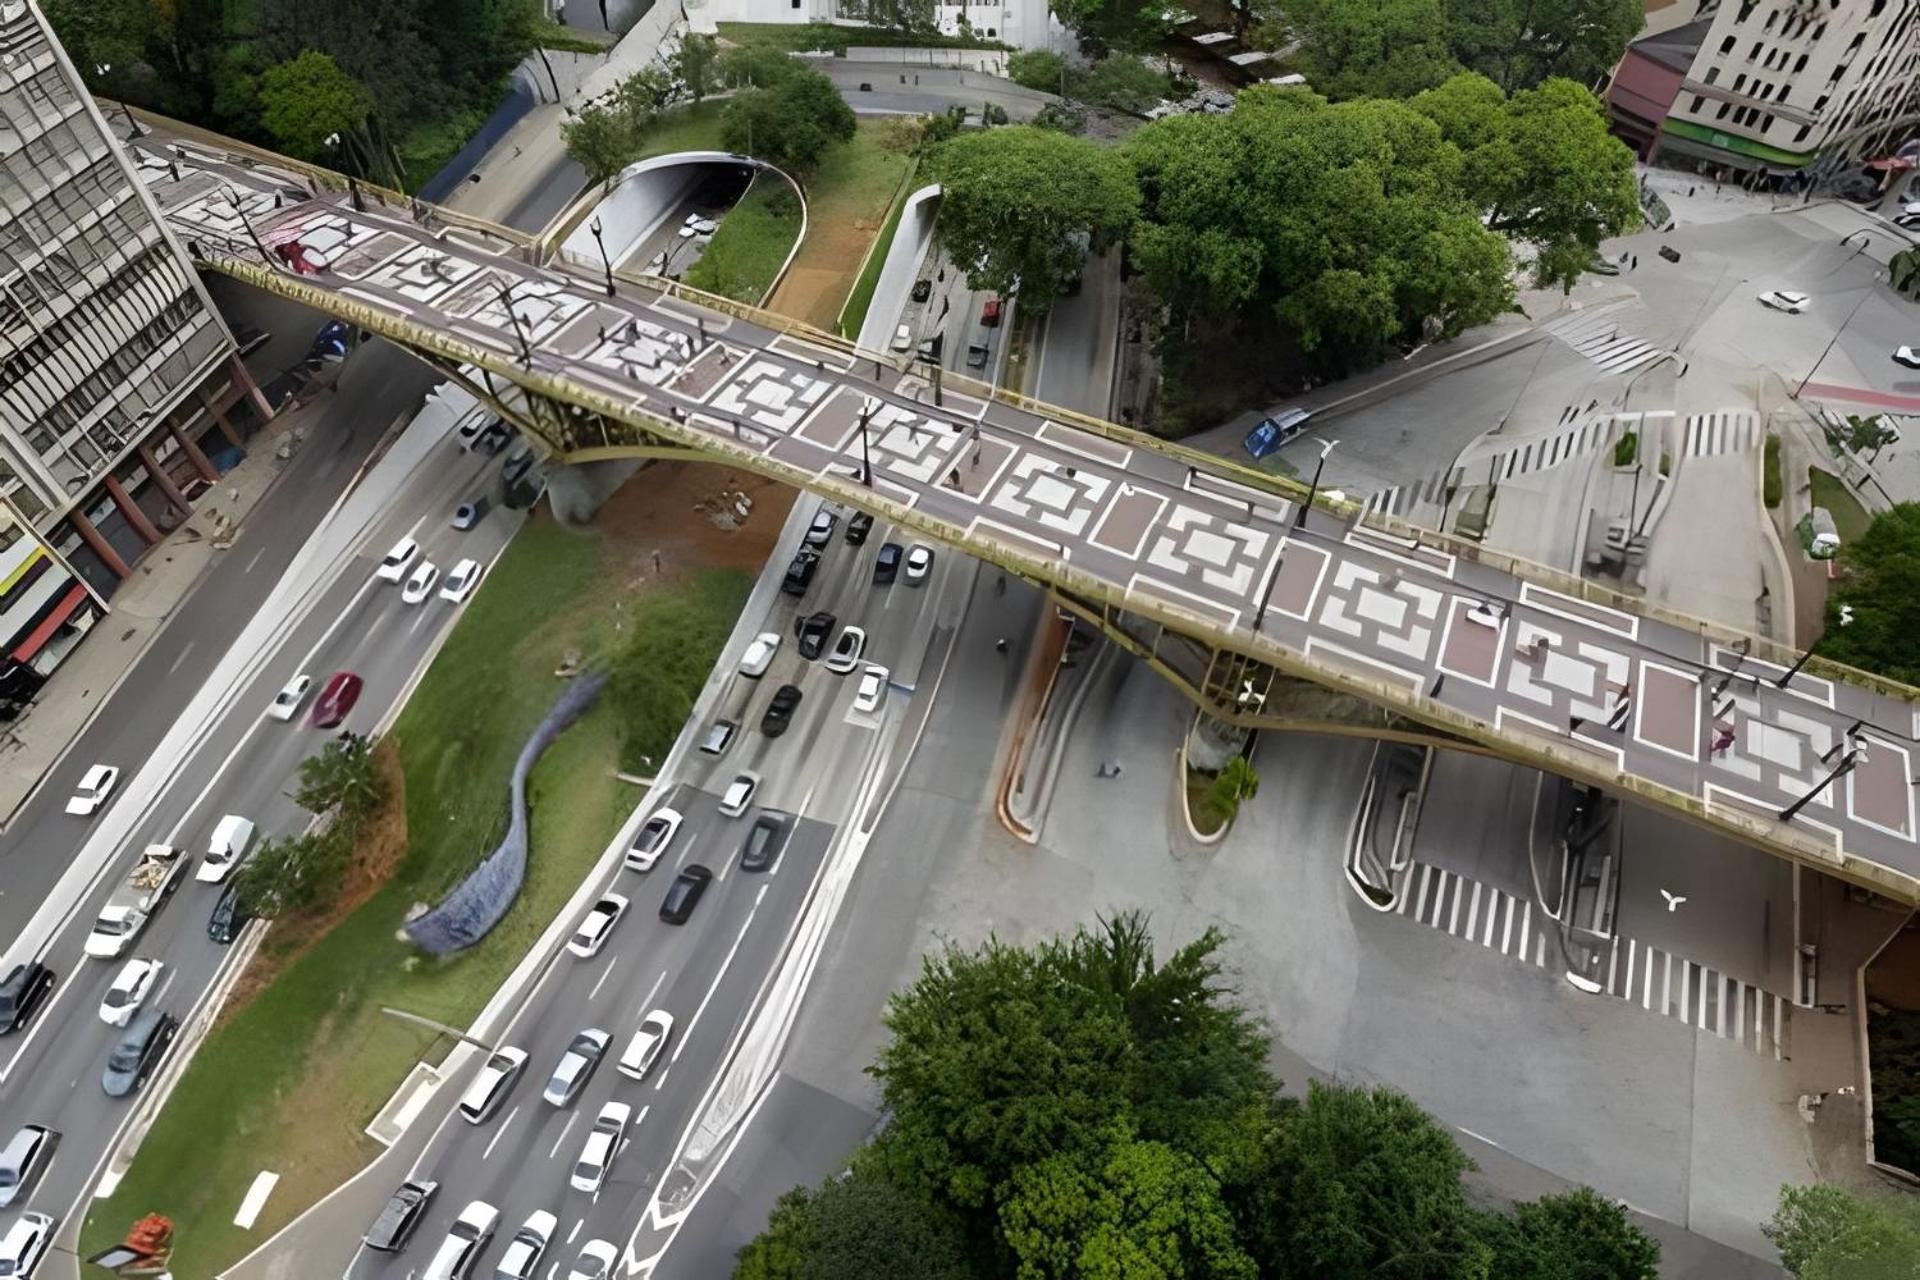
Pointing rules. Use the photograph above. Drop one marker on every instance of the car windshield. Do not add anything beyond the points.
(113, 928)
(119, 996)
(651, 837)
(126, 1056)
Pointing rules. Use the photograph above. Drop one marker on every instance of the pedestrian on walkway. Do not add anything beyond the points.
(1000, 645)
(1722, 738)
(1636, 262)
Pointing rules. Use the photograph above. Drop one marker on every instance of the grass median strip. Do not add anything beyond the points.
(289, 1080)
(752, 242)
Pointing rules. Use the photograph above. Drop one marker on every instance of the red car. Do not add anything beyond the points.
(990, 311)
(336, 699)
(295, 255)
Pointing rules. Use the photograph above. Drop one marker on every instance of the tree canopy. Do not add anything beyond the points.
(1016, 200)
(1825, 1232)
(791, 123)
(1080, 1108)
(1881, 591)
(1373, 48)
(305, 102)
(1518, 43)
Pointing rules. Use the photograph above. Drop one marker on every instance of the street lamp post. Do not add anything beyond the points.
(513, 317)
(1846, 617)
(866, 454)
(605, 262)
(1279, 561)
(1855, 757)
(1313, 490)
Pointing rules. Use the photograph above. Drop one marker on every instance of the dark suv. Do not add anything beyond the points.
(780, 711)
(403, 1213)
(813, 632)
(685, 893)
(22, 993)
(886, 565)
(765, 839)
(228, 917)
(858, 528)
(800, 571)
(138, 1052)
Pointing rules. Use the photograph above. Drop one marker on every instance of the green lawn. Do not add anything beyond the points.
(854, 314)
(692, 128)
(753, 241)
(1850, 519)
(290, 1081)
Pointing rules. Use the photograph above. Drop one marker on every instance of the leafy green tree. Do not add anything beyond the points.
(1881, 592)
(1017, 201)
(855, 1226)
(1374, 48)
(791, 124)
(1581, 1235)
(1041, 69)
(1824, 1232)
(343, 781)
(696, 64)
(1556, 176)
(647, 92)
(1327, 219)
(602, 139)
(1519, 43)
(295, 872)
(1360, 1183)
(1139, 1210)
(994, 1063)
(308, 100)
(1235, 782)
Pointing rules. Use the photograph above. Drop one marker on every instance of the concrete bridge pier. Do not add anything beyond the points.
(576, 489)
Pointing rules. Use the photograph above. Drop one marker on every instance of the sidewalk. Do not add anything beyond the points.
(33, 744)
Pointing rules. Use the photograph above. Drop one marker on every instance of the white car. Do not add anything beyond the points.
(420, 585)
(461, 581)
(759, 655)
(873, 687)
(465, 1241)
(847, 650)
(645, 1047)
(695, 225)
(1782, 300)
(95, 786)
(27, 1242)
(739, 794)
(653, 839)
(603, 1144)
(286, 703)
(129, 990)
(597, 925)
(919, 563)
(394, 567)
(1908, 356)
(595, 1261)
(903, 338)
(524, 1250)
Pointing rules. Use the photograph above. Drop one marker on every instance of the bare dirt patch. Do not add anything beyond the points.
(380, 849)
(685, 513)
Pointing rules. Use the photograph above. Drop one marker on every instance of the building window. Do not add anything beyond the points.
(1739, 83)
(1713, 75)
(1801, 136)
(1800, 64)
(1722, 113)
(1755, 51)
(1726, 46)
(1699, 105)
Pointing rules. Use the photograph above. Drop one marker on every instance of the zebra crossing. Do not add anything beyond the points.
(1399, 499)
(1599, 339)
(1654, 979)
(1537, 454)
(1728, 431)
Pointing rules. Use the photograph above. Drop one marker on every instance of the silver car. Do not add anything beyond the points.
(576, 1066)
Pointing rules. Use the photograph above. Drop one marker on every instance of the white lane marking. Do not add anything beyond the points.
(604, 975)
(661, 1083)
(254, 559)
(498, 1133)
(570, 1235)
(555, 1150)
(646, 1001)
(1481, 1137)
(183, 656)
(725, 964)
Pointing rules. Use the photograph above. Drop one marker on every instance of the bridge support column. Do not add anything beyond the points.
(576, 490)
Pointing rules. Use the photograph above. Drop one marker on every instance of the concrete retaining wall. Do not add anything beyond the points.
(904, 256)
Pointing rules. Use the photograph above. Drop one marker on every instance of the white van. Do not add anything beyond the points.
(231, 842)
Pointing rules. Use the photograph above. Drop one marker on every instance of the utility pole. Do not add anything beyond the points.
(605, 262)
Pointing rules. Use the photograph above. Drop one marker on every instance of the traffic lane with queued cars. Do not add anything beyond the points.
(247, 766)
(702, 973)
(708, 981)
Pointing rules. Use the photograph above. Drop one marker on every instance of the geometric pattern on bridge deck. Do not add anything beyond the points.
(1642, 697)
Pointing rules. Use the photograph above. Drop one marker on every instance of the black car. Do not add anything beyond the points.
(684, 894)
(493, 439)
(228, 917)
(858, 528)
(23, 992)
(518, 463)
(813, 632)
(800, 571)
(138, 1051)
(922, 290)
(403, 1213)
(887, 563)
(765, 839)
(780, 711)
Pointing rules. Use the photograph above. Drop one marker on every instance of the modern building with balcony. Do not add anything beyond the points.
(1784, 88)
(120, 395)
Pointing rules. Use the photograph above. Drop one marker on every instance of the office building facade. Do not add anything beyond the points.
(1785, 88)
(120, 395)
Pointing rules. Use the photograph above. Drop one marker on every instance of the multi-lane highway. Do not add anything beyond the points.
(833, 764)
(246, 764)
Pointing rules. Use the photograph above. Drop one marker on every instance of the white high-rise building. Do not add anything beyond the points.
(1775, 85)
(114, 364)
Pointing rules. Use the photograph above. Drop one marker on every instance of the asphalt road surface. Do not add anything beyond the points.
(712, 973)
(246, 765)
